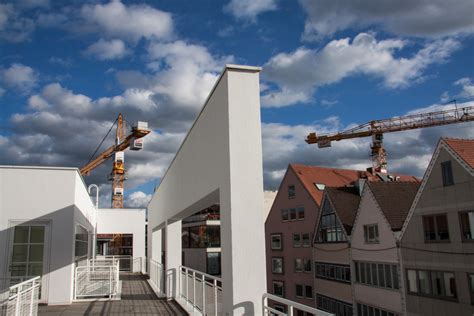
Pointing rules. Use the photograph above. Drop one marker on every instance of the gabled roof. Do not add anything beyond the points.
(395, 200)
(464, 148)
(333, 177)
(345, 201)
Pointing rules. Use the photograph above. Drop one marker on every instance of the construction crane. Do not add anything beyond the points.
(376, 129)
(122, 141)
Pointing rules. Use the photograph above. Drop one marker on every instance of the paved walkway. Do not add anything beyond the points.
(137, 299)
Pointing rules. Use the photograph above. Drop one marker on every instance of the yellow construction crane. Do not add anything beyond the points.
(376, 129)
(122, 142)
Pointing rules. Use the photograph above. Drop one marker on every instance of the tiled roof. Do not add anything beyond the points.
(346, 202)
(332, 177)
(395, 199)
(463, 147)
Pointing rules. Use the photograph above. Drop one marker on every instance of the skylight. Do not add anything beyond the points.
(319, 186)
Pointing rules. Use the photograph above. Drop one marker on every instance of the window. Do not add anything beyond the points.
(329, 228)
(280, 308)
(277, 265)
(377, 274)
(470, 279)
(304, 291)
(276, 242)
(292, 214)
(296, 240)
(366, 310)
(82, 242)
(436, 228)
(447, 173)
(300, 211)
(27, 252)
(291, 191)
(331, 305)
(307, 265)
(335, 272)
(306, 241)
(284, 215)
(214, 263)
(438, 284)
(467, 225)
(299, 265)
(201, 236)
(279, 288)
(371, 233)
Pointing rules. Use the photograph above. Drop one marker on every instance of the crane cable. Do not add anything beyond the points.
(103, 139)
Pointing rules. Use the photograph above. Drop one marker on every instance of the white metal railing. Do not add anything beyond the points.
(201, 290)
(21, 299)
(156, 272)
(290, 307)
(125, 262)
(95, 280)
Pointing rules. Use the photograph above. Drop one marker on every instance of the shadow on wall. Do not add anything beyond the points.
(59, 244)
(244, 308)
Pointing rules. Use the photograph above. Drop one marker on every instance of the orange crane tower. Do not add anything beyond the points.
(122, 142)
(377, 128)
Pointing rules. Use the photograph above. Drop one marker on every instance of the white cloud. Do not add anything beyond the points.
(137, 199)
(131, 22)
(2, 91)
(433, 18)
(64, 62)
(249, 9)
(14, 27)
(19, 77)
(299, 73)
(107, 50)
(467, 87)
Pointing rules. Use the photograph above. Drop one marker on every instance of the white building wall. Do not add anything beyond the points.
(124, 221)
(48, 196)
(220, 161)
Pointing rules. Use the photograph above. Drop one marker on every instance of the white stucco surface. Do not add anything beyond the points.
(220, 161)
(124, 221)
(56, 198)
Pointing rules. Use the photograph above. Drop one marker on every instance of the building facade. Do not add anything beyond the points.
(437, 243)
(377, 279)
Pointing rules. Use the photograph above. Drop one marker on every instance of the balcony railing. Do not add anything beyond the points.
(290, 307)
(203, 292)
(97, 279)
(156, 273)
(21, 299)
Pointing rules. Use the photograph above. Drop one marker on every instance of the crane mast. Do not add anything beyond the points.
(122, 142)
(377, 128)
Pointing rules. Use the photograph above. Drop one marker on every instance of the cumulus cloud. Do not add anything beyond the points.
(131, 22)
(249, 9)
(300, 72)
(107, 50)
(467, 87)
(414, 18)
(137, 199)
(408, 152)
(14, 27)
(19, 77)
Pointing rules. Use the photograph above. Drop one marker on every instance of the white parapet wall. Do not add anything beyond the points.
(220, 161)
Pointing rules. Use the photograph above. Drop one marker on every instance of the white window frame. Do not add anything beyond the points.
(280, 236)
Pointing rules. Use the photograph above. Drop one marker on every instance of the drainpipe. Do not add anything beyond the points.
(94, 239)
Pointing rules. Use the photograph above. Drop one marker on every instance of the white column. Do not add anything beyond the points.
(242, 225)
(172, 257)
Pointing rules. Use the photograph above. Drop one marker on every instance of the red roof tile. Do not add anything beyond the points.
(332, 177)
(464, 148)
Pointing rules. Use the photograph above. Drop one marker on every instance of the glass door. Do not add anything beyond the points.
(27, 254)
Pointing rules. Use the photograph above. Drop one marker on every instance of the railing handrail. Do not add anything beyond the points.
(201, 273)
(292, 304)
(24, 283)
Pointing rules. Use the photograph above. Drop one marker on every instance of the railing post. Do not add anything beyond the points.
(110, 282)
(203, 295)
(215, 297)
(187, 285)
(290, 310)
(32, 297)
(194, 291)
(17, 303)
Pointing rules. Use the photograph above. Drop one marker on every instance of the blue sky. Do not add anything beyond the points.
(68, 68)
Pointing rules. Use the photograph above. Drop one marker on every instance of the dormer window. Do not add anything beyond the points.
(330, 229)
(319, 186)
(291, 191)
